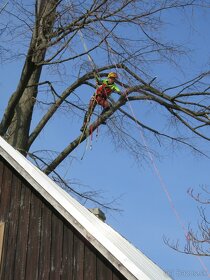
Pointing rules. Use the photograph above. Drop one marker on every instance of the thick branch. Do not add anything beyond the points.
(52, 166)
(28, 70)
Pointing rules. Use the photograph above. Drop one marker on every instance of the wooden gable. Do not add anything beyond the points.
(38, 242)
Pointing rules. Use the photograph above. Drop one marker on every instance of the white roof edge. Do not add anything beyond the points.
(132, 263)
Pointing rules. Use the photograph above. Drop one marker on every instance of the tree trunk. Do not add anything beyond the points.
(17, 132)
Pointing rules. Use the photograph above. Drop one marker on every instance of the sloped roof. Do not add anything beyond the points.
(131, 262)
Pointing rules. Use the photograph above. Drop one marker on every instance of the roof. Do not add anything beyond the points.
(127, 259)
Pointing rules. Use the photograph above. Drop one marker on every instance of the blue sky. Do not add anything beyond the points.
(147, 215)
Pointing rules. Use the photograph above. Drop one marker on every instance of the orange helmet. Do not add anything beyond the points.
(112, 75)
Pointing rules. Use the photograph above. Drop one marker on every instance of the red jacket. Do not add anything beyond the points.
(106, 89)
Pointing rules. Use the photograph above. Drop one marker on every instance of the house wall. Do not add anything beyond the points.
(38, 242)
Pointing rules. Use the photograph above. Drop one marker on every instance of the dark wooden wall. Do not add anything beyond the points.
(38, 242)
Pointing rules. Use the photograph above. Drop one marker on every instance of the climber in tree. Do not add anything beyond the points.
(107, 86)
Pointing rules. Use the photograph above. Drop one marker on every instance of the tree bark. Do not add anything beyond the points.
(17, 119)
(18, 131)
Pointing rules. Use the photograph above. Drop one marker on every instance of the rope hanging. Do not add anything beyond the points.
(93, 65)
(152, 161)
(160, 178)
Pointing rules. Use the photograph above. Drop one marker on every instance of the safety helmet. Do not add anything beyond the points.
(112, 75)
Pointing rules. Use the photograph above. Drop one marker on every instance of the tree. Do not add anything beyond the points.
(60, 31)
(197, 242)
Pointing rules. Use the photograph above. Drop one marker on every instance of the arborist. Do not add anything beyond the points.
(107, 86)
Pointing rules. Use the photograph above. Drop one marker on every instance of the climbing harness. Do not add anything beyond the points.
(100, 95)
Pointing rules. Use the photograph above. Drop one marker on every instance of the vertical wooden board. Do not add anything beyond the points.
(12, 229)
(104, 271)
(78, 266)
(1, 181)
(1, 173)
(2, 225)
(67, 258)
(34, 230)
(1, 239)
(5, 199)
(1, 186)
(5, 194)
(22, 237)
(45, 244)
(56, 247)
(90, 264)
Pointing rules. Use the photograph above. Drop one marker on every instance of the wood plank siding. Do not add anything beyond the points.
(1, 239)
(38, 242)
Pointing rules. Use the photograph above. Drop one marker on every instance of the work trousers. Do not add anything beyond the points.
(96, 99)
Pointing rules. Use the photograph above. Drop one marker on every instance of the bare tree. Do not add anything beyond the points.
(56, 34)
(197, 241)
